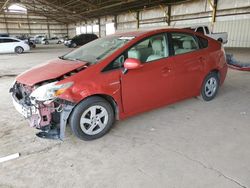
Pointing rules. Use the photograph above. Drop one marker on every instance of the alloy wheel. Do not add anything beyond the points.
(94, 120)
(211, 87)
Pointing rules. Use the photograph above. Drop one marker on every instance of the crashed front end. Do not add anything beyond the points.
(42, 107)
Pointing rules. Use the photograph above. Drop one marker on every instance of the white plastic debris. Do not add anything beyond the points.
(9, 157)
(243, 113)
(152, 129)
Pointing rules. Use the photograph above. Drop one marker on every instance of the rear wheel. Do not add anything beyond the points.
(19, 50)
(210, 86)
(92, 118)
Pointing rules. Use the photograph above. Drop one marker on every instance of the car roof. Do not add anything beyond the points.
(151, 31)
(10, 38)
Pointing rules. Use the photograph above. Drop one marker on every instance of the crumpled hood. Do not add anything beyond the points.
(51, 70)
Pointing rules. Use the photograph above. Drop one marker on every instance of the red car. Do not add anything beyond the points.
(116, 77)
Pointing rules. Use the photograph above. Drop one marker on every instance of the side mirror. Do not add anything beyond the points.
(131, 63)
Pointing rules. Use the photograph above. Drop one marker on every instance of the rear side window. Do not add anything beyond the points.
(9, 40)
(183, 43)
(200, 30)
(207, 31)
(203, 42)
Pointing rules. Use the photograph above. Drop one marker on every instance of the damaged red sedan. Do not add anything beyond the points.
(118, 76)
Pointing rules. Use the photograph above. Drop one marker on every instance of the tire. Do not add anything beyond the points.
(59, 42)
(19, 49)
(220, 40)
(46, 42)
(210, 87)
(92, 118)
(73, 45)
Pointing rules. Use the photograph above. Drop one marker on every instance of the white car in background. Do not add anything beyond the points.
(53, 40)
(221, 37)
(13, 45)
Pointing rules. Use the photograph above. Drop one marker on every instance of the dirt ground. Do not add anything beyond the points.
(191, 144)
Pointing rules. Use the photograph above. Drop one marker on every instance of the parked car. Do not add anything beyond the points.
(118, 76)
(4, 35)
(28, 40)
(31, 42)
(53, 40)
(39, 38)
(11, 45)
(67, 42)
(221, 37)
(80, 40)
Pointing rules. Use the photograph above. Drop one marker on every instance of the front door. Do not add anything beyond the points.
(150, 85)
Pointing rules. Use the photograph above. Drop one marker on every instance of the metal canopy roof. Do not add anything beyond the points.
(70, 11)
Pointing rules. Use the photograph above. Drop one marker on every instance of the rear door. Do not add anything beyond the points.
(7, 45)
(11, 44)
(188, 66)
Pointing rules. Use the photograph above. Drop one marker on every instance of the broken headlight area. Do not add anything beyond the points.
(41, 106)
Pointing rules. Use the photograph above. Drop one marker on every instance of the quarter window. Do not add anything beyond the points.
(183, 43)
(200, 30)
(9, 40)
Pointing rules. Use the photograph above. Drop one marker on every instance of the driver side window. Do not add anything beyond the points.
(150, 49)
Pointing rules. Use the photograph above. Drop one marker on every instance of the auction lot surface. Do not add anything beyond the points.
(189, 144)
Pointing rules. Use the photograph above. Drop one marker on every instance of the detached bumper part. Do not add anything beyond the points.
(57, 132)
(237, 65)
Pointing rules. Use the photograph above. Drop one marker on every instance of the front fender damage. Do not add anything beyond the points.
(50, 116)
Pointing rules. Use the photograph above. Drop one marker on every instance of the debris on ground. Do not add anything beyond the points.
(237, 65)
(9, 157)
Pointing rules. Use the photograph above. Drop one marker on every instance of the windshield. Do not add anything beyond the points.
(98, 49)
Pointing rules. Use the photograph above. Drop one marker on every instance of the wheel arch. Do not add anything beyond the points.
(217, 72)
(109, 99)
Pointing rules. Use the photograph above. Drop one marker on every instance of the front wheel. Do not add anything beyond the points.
(210, 86)
(92, 118)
